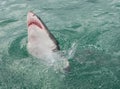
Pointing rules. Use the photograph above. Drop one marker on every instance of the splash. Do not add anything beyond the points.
(72, 50)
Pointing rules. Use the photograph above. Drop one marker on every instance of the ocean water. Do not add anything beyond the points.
(88, 32)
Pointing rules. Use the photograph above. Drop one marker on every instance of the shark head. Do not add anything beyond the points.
(33, 19)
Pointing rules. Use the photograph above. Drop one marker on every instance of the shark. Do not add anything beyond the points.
(41, 42)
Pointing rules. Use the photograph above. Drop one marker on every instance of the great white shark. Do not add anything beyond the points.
(41, 43)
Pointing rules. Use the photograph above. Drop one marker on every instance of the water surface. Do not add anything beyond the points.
(92, 25)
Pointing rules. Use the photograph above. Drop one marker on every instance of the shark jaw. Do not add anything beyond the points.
(32, 19)
(41, 43)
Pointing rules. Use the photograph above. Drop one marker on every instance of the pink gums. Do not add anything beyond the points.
(34, 22)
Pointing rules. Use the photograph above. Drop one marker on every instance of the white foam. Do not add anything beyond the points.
(72, 50)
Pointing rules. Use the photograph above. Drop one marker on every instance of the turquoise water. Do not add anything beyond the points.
(92, 25)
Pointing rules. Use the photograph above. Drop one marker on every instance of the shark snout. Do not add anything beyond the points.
(31, 14)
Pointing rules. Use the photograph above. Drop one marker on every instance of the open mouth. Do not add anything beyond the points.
(33, 20)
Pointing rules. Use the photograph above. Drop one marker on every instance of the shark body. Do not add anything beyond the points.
(41, 43)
